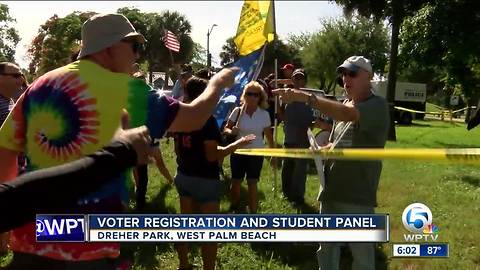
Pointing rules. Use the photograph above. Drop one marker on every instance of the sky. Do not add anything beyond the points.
(292, 17)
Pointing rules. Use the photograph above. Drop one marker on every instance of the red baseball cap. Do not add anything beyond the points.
(288, 66)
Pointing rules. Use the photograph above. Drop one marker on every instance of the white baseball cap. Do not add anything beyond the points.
(353, 63)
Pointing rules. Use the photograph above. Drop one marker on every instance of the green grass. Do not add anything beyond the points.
(452, 192)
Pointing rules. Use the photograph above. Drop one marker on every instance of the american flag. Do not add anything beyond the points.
(171, 41)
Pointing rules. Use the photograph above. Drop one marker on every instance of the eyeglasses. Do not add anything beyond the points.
(137, 48)
(14, 75)
(351, 74)
(251, 94)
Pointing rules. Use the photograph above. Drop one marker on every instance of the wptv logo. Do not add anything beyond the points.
(417, 219)
(60, 228)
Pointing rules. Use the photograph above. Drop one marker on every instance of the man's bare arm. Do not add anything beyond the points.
(193, 116)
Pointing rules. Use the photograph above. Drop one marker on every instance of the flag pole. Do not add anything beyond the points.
(275, 121)
(171, 59)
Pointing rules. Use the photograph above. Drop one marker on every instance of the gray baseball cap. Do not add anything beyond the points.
(104, 30)
(353, 63)
(299, 71)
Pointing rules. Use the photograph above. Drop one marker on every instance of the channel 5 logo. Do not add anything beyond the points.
(417, 219)
(60, 228)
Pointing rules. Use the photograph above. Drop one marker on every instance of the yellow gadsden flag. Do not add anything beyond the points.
(256, 26)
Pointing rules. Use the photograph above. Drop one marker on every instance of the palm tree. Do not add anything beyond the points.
(229, 52)
(153, 27)
(158, 56)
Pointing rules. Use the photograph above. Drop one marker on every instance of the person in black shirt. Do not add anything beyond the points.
(198, 173)
(34, 192)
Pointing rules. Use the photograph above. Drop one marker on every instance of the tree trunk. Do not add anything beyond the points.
(331, 86)
(392, 70)
(322, 83)
(150, 70)
(471, 101)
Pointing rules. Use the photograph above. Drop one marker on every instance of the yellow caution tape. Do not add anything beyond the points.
(460, 110)
(473, 107)
(461, 155)
(414, 111)
(447, 112)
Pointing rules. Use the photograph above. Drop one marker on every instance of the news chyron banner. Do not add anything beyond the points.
(213, 228)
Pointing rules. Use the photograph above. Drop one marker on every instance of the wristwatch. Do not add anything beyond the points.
(311, 99)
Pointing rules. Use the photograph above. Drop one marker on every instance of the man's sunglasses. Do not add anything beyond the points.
(14, 75)
(251, 94)
(351, 74)
(136, 47)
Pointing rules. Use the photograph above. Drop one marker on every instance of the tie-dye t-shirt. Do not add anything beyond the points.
(71, 112)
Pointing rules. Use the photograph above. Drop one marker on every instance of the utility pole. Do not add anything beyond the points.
(209, 56)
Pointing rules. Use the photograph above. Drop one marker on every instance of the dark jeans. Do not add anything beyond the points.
(294, 177)
(24, 261)
(142, 172)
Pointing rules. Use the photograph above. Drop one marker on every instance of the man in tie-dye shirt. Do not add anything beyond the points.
(73, 111)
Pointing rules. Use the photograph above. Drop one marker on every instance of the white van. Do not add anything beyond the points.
(407, 95)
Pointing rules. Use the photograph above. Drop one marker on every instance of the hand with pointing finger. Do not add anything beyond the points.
(289, 95)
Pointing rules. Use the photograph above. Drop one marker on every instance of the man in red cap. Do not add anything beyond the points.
(286, 82)
(288, 70)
